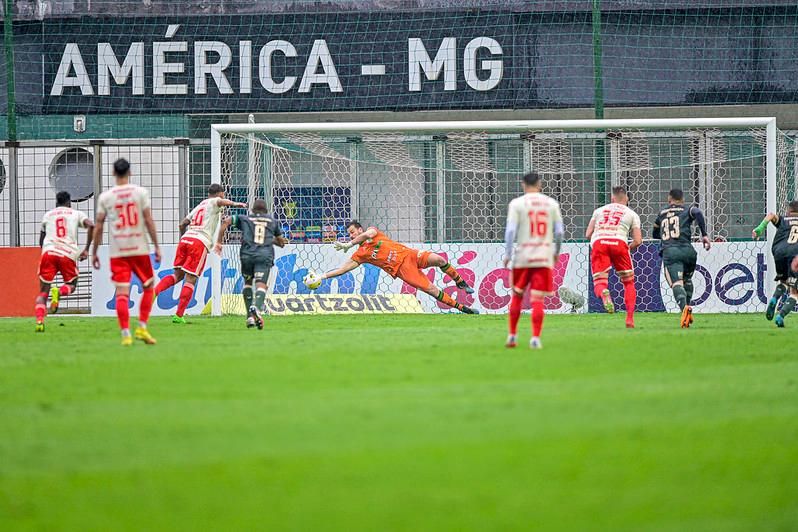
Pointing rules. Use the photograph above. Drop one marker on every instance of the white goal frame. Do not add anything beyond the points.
(507, 126)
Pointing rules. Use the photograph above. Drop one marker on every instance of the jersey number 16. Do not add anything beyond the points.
(538, 223)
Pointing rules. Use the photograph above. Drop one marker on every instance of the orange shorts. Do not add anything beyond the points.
(410, 270)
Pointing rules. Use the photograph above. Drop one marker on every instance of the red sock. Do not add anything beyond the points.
(165, 283)
(185, 298)
(41, 306)
(122, 312)
(145, 307)
(599, 285)
(515, 312)
(537, 317)
(66, 289)
(629, 297)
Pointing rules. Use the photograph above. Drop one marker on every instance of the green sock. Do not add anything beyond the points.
(247, 293)
(688, 290)
(779, 291)
(680, 295)
(260, 298)
(787, 307)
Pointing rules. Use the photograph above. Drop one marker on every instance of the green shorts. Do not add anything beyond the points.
(679, 263)
(256, 268)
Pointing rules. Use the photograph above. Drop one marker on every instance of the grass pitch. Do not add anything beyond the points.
(400, 423)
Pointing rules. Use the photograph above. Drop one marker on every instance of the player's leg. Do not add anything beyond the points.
(427, 259)
(69, 273)
(690, 260)
(519, 281)
(262, 270)
(410, 273)
(121, 272)
(186, 293)
(782, 272)
(170, 280)
(40, 307)
(622, 262)
(142, 267)
(248, 273)
(790, 303)
(600, 264)
(541, 284)
(48, 269)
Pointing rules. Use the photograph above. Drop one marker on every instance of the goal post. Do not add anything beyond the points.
(445, 185)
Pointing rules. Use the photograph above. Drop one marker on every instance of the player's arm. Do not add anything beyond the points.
(184, 223)
(656, 233)
(224, 202)
(591, 227)
(89, 225)
(559, 234)
(347, 266)
(98, 237)
(42, 235)
(510, 233)
(698, 216)
(371, 232)
(279, 238)
(637, 232)
(227, 221)
(153, 232)
(760, 229)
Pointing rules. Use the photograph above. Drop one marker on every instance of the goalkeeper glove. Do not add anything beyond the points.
(342, 246)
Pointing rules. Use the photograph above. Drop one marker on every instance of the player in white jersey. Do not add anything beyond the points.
(60, 253)
(532, 241)
(127, 209)
(608, 230)
(199, 234)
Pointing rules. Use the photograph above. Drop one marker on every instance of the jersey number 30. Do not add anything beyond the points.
(538, 223)
(128, 215)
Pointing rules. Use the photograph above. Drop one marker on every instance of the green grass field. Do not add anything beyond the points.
(400, 423)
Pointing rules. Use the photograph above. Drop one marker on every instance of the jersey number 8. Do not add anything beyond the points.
(260, 233)
(60, 227)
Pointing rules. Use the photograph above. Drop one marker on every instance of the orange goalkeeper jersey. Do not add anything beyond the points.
(382, 252)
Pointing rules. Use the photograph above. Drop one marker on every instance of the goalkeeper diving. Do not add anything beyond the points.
(397, 260)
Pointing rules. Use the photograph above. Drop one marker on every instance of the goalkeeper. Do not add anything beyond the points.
(785, 244)
(260, 232)
(399, 261)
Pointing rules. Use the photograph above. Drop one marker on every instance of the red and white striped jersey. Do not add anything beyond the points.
(61, 228)
(124, 209)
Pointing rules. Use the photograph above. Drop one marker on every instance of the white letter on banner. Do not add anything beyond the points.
(245, 67)
(71, 59)
(445, 59)
(202, 68)
(265, 66)
(320, 54)
(470, 64)
(160, 68)
(107, 63)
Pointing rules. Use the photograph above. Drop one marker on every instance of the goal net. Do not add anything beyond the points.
(445, 187)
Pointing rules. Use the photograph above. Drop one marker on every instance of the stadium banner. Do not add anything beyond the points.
(513, 56)
(731, 277)
(286, 305)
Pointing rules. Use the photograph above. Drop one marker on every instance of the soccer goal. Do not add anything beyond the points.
(445, 186)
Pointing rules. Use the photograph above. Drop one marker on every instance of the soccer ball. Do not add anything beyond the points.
(312, 280)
